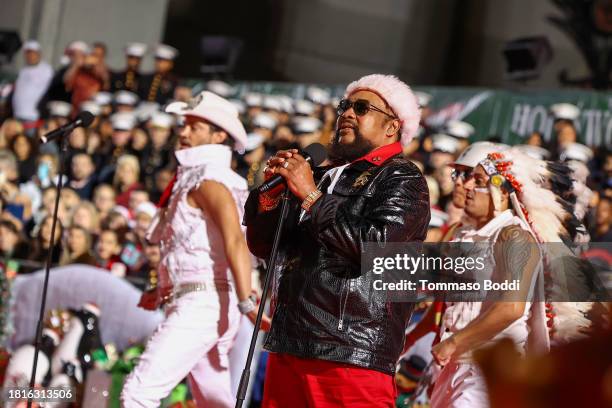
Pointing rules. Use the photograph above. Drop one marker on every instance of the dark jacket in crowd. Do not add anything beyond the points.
(157, 87)
(324, 306)
(127, 80)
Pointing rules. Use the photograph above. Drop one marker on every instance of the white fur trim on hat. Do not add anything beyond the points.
(398, 96)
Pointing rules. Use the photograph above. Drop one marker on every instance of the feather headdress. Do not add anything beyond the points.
(543, 194)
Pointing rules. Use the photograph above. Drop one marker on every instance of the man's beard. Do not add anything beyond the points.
(337, 151)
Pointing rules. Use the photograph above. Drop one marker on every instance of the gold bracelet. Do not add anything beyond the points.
(310, 199)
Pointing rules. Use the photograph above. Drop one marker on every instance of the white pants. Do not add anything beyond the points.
(460, 385)
(194, 340)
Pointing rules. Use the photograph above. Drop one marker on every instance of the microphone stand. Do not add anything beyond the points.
(246, 373)
(63, 147)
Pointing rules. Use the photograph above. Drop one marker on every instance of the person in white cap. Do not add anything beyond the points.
(31, 84)
(158, 153)
(159, 86)
(59, 110)
(565, 116)
(125, 101)
(129, 78)
(333, 342)
(264, 124)
(307, 130)
(122, 124)
(57, 91)
(205, 268)
(461, 131)
(252, 163)
(85, 78)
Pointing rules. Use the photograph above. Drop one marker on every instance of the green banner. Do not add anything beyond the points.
(513, 116)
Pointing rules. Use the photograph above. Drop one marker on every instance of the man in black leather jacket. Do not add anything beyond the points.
(334, 339)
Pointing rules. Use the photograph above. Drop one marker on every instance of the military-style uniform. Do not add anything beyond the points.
(125, 80)
(157, 87)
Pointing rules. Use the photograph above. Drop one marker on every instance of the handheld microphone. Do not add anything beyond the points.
(314, 155)
(83, 119)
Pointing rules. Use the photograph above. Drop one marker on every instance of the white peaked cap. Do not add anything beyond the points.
(124, 97)
(253, 99)
(136, 49)
(103, 98)
(306, 125)
(59, 108)
(92, 107)
(304, 107)
(318, 95)
(273, 103)
(444, 143)
(565, 111)
(536, 152)
(167, 52)
(459, 129)
(576, 151)
(264, 120)
(162, 120)
(31, 45)
(221, 88)
(123, 121)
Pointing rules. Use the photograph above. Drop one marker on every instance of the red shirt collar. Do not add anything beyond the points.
(380, 155)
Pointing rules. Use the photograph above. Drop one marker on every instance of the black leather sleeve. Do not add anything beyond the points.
(397, 212)
(260, 227)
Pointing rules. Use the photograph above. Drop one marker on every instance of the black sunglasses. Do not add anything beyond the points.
(462, 174)
(360, 106)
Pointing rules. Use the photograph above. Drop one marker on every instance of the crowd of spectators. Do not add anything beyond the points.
(117, 169)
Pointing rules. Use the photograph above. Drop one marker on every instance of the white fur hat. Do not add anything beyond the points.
(398, 96)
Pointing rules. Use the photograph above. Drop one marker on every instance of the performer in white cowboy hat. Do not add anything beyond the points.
(205, 268)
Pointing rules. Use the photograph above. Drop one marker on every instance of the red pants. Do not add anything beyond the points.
(308, 383)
